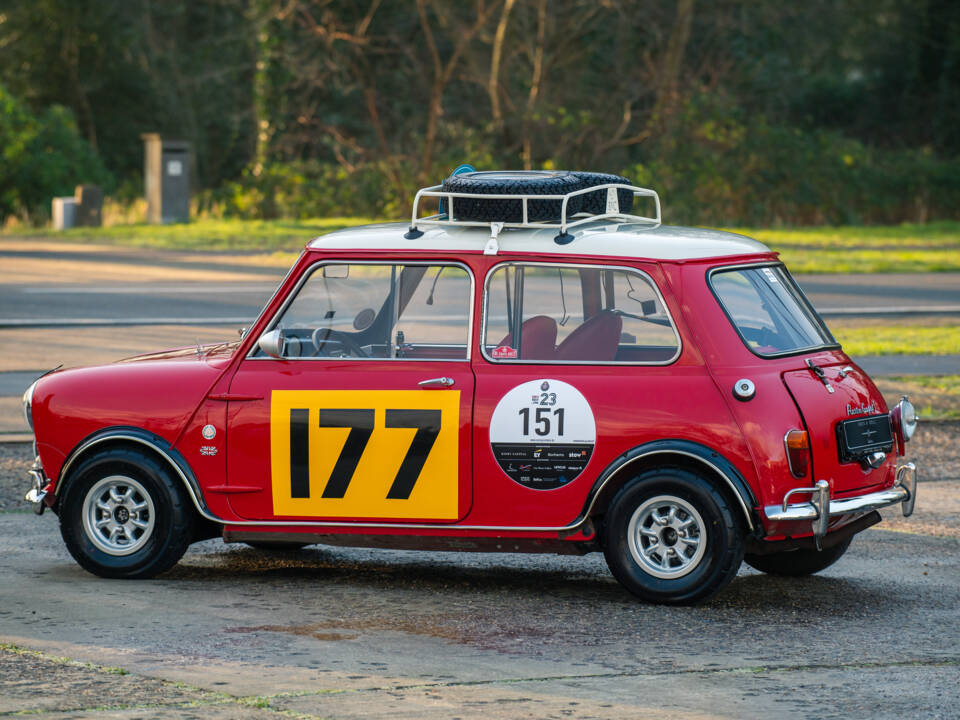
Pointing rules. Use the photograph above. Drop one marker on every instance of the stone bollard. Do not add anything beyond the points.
(89, 200)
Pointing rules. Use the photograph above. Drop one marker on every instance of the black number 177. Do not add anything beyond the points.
(360, 422)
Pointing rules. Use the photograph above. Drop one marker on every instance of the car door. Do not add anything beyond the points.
(365, 413)
(579, 363)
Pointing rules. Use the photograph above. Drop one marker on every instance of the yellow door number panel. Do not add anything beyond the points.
(365, 453)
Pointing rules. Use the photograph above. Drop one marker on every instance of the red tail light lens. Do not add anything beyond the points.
(797, 443)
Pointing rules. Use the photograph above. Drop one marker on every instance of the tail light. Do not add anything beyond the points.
(797, 443)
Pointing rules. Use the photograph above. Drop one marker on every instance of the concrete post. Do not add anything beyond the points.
(166, 179)
(64, 213)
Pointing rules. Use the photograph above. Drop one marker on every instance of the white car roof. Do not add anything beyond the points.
(616, 239)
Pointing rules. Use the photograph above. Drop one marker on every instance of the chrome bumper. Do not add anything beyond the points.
(36, 493)
(904, 492)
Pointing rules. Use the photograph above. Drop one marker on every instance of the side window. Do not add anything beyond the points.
(567, 313)
(416, 312)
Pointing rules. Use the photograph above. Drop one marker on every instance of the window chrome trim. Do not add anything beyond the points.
(577, 266)
(816, 316)
(308, 273)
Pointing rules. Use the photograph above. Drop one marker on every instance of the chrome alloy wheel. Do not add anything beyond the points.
(667, 537)
(118, 515)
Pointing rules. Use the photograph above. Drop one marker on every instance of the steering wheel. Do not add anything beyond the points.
(321, 336)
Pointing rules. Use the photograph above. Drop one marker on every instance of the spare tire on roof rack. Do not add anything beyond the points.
(595, 203)
(514, 182)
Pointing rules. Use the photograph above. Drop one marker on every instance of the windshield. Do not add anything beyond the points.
(769, 311)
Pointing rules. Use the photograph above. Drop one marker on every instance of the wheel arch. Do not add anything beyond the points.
(674, 453)
(141, 439)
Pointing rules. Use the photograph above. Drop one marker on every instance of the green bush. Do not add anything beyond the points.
(41, 156)
(713, 167)
(711, 164)
(309, 189)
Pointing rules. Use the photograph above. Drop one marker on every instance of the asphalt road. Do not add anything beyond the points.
(361, 633)
(50, 281)
(239, 302)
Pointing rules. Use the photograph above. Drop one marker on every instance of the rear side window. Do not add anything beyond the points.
(576, 314)
(769, 311)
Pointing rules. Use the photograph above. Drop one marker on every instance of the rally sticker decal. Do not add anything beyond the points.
(365, 453)
(542, 434)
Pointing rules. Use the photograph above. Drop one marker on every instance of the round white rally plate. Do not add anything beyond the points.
(542, 434)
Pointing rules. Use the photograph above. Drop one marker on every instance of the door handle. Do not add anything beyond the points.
(436, 382)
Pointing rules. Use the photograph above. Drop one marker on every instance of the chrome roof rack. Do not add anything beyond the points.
(449, 218)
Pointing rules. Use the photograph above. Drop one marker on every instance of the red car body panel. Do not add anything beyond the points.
(175, 396)
(156, 395)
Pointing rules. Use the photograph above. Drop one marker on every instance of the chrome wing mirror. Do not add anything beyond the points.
(272, 343)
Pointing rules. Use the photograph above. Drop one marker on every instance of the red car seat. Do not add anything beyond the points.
(596, 340)
(538, 338)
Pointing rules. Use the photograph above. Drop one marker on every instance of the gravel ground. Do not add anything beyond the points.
(329, 632)
(35, 683)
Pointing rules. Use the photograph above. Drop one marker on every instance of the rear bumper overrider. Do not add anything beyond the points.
(904, 491)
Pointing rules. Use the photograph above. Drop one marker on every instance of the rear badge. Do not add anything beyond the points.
(542, 434)
(861, 409)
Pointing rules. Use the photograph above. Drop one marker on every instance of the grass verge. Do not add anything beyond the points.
(932, 247)
(936, 397)
(898, 339)
(206, 234)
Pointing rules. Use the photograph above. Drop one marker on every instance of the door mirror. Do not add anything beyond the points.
(272, 343)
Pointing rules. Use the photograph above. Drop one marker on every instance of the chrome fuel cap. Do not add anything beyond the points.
(744, 389)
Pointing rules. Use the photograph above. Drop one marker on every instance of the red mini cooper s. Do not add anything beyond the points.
(531, 369)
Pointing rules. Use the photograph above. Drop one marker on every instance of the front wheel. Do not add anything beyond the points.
(797, 563)
(671, 537)
(124, 515)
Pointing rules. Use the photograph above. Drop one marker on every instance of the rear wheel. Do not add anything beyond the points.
(124, 515)
(671, 537)
(797, 563)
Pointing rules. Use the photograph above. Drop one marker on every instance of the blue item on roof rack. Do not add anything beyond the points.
(459, 170)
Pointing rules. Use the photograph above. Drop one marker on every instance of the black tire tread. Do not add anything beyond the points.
(798, 563)
(170, 543)
(671, 479)
(595, 203)
(523, 183)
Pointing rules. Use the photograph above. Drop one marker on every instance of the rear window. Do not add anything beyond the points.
(769, 311)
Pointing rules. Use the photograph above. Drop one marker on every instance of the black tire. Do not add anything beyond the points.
(699, 573)
(172, 523)
(596, 203)
(268, 546)
(514, 182)
(797, 563)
